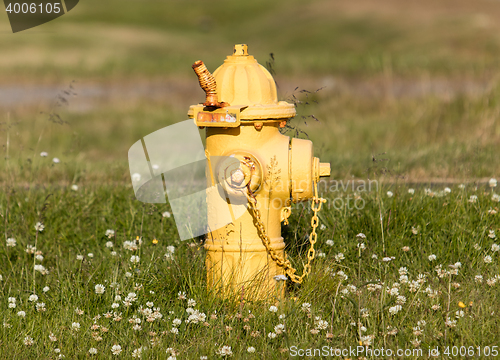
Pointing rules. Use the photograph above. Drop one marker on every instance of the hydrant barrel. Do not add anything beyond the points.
(249, 160)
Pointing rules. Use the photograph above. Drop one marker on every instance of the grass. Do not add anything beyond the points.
(452, 226)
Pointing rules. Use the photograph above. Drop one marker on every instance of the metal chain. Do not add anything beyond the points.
(266, 241)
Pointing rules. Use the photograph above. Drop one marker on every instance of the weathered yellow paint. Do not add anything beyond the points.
(277, 169)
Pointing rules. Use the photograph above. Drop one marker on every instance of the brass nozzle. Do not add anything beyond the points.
(208, 84)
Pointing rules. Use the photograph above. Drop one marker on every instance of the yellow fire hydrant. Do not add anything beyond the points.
(258, 170)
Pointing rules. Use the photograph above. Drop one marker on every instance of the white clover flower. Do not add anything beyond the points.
(322, 227)
(495, 247)
(339, 257)
(387, 259)
(166, 214)
(21, 313)
(39, 227)
(450, 323)
(109, 233)
(136, 177)
(487, 259)
(115, 305)
(279, 329)
(11, 242)
(401, 300)
(361, 246)
(432, 257)
(196, 317)
(134, 259)
(389, 194)
(33, 298)
(137, 353)
(79, 257)
(39, 257)
(273, 309)
(271, 335)
(131, 297)
(225, 351)
(11, 299)
(109, 244)
(171, 249)
(280, 278)
(251, 350)
(321, 324)
(90, 255)
(56, 160)
(492, 183)
(128, 274)
(40, 307)
(12, 305)
(473, 199)
(329, 242)
(75, 326)
(99, 289)
(176, 322)
(411, 191)
(495, 197)
(116, 349)
(342, 275)
(74, 187)
(92, 351)
(492, 235)
(393, 310)
(393, 291)
(44, 154)
(478, 278)
(41, 269)
(28, 341)
(306, 307)
(130, 245)
(447, 190)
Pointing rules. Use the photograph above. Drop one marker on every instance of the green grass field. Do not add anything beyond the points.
(410, 98)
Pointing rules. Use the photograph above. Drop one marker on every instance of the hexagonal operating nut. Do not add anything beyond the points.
(237, 177)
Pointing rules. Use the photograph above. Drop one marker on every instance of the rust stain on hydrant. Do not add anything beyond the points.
(266, 170)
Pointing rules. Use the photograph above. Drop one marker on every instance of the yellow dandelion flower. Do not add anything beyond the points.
(155, 241)
(461, 304)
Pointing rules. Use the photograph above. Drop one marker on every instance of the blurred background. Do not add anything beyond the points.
(409, 90)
